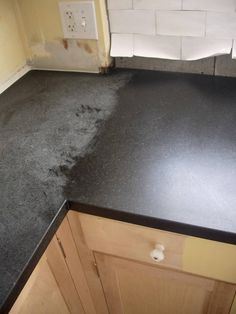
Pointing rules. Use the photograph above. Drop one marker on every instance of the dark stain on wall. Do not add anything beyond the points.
(65, 43)
(88, 48)
(85, 46)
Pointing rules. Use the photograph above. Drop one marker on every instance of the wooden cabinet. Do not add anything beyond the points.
(41, 293)
(132, 287)
(58, 283)
(187, 254)
(134, 283)
(97, 265)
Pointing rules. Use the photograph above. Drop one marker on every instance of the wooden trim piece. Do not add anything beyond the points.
(62, 275)
(88, 263)
(233, 307)
(73, 262)
(110, 283)
(15, 76)
(222, 298)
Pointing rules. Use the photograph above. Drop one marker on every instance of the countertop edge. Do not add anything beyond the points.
(156, 223)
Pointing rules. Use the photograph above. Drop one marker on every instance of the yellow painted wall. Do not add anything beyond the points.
(210, 258)
(12, 53)
(44, 37)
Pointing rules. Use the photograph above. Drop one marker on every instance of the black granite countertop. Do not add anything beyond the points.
(157, 149)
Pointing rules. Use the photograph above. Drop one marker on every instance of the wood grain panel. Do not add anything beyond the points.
(41, 293)
(132, 287)
(131, 241)
(88, 263)
(74, 265)
(63, 277)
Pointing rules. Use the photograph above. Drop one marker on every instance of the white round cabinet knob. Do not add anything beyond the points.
(157, 254)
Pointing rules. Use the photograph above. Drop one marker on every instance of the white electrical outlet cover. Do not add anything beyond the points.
(78, 19)
(66, 12)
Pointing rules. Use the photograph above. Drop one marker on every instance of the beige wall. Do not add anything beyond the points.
(12, 53)
(44, 38)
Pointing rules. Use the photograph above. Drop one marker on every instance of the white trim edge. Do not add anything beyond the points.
(65, 70)
(14, 77)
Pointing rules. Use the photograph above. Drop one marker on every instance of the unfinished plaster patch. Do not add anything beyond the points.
(39, 51)
(63, 55)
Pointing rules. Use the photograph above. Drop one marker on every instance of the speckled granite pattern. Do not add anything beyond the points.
(47, 121)
(168, 152)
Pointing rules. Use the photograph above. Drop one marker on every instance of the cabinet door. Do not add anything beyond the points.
(57, 262)
(51, 287)
(75, 268)
(41, 293)
(132, 287)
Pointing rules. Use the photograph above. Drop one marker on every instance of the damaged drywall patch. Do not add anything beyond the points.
(39, 51)
(43, 31)
(65, 54)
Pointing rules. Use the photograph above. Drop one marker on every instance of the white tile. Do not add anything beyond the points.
(164, 47)
(210, 5)
(195, 48)
(157, 4)
(234, 49)
(121, 45)
(119, 4)
(221, 25)
(181, 23)
(132, 21)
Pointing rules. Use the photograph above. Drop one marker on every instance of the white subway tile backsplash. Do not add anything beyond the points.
(122, 45)
(119, 4)
(164, 47)
(172, 29)
(132, 21)
(210, 5)
(221, 25)
(195, 48)
(157, 4)
(181, 23)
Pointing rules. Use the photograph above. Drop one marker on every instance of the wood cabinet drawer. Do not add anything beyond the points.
(131, 241)
(193, 255)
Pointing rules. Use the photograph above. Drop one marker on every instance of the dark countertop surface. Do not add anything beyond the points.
(167, 152)
(154, 148)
